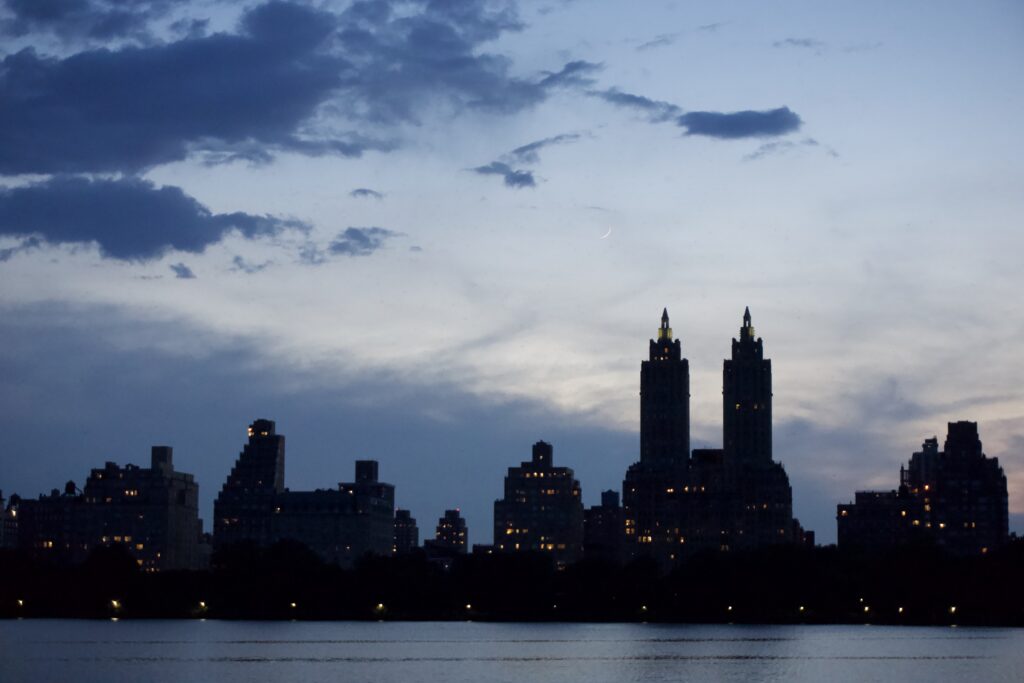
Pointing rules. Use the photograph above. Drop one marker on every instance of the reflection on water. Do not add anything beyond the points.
(287, 652)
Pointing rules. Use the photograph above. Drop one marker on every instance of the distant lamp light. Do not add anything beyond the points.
(292, 605)
(21, 603)
(643, 608)
(952, 609)
(469, 606)
(900, 610)
(729, 608)
(802, 608)
(202, 604)
(866, 608)
(115, 604)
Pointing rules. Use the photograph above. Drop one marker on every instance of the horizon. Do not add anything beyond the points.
(431, 235)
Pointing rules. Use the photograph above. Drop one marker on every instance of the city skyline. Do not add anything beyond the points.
(432, 237)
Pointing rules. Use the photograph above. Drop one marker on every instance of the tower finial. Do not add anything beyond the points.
(746, 316)
(664, 332)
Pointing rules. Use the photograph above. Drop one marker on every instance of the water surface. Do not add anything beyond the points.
(404, 652)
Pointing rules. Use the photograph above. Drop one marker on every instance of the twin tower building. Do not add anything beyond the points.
(677, 502)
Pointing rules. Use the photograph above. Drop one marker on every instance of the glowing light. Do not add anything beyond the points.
(469, 606)
(292, 605)
(866, 608)
(202, 605)
(952, 609)
(21, 603)
(729, 608)
(801, 608)
(900, 610)
(115, 604)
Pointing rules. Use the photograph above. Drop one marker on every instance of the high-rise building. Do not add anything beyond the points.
(651, 507)
(153, 511)
(340, 525)
(747, 400)
(407, 534)
(542, 509)
(955, 498)
(676, 503)
(665, 401)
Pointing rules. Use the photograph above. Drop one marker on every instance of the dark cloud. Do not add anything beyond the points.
(182, 272)
(129, 109)
(573, 74)
(656, 111)
(740, 124)
(430, 51)
(276, 84)
(128, 219)
(360, 241)
(84, 19)
(366, 192)
(525, 154)
(528, 154)
(807, 43)
(513, 177)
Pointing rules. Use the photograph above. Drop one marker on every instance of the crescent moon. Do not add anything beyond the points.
(605, 236)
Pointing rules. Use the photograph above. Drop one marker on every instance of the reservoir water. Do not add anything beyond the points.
(464, 652)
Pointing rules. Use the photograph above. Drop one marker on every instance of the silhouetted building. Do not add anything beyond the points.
(407, 534)
(450, 540)
(152, 511)
(541, 510)
(604, 530)
(340, 525)
(9, 521)
(737, 497)
(955, 498)
(452, 532)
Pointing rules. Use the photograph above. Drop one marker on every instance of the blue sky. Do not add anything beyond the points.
(432, 233)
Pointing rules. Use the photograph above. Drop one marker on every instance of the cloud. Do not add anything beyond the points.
(525, 154)
(658, 41)
(513, 177)
(528, 154)
(807, 43)
(25, 245)
(129, 109)
(182, 272)
(129, 219)
(783, 146)
(430, 52)
(240, 264)
(656, 111)
(365, 192)
(83, 19)
(740, 124)
(283, 81)
(712, 28)
(360, 241)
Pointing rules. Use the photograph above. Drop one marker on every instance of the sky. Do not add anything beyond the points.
(432, 232)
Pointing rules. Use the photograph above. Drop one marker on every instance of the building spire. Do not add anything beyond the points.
(664, 332)
(747, 331)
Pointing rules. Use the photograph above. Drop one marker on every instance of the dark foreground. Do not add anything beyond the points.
(779, 585)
